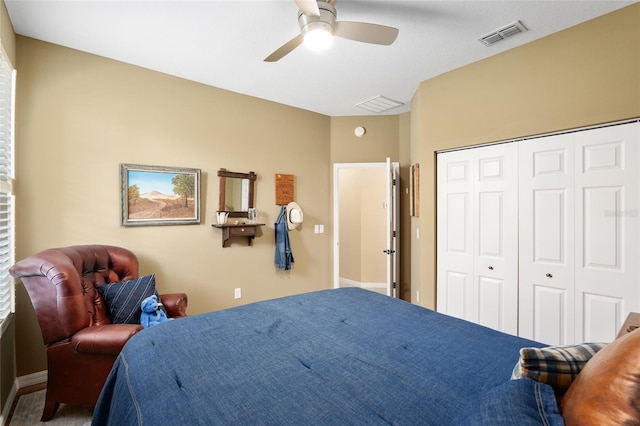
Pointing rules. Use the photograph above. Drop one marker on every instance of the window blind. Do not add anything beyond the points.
(7, 210)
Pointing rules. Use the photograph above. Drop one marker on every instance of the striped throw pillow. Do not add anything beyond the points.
(122, 300)
(555, 365)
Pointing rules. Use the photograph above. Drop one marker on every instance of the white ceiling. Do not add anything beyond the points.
(223, 43)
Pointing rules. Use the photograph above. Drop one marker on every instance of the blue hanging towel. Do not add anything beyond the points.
(284, 257)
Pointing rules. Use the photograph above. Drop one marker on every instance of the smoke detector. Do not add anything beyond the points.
(502, 33)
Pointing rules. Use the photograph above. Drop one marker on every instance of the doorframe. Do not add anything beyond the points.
(336, 216)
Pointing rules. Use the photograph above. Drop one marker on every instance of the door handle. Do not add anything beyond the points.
(490, 268)
(388, 251)
(548, 275)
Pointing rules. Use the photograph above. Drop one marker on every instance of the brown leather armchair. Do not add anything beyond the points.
(81, 342)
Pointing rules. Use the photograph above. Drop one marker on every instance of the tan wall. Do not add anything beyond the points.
(585, 75)
(80, 116)
(7, 34)
(372, 213)
(379, 142)
(362, 196)
(350, 225)
(404, 157)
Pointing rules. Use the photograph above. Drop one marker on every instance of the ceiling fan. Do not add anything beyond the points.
(318, 19)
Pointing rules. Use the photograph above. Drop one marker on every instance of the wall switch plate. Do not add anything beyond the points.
(237, 293)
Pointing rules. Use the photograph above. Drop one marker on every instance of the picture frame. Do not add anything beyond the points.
(156, 195)
(414, 190)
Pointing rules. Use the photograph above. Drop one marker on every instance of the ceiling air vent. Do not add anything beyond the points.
(502, 33)
(379, 104)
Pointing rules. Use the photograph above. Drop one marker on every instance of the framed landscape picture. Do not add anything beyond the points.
(154, 195)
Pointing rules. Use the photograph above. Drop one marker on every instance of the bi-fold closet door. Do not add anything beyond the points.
(541, 237)
(477, 234)
(579, 234)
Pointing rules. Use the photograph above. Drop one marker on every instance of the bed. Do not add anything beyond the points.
(332, 357)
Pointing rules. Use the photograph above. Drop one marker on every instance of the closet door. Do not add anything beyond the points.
(454, 294)
(607, 281)
(579, 234)
(478, 236)
(547, 239)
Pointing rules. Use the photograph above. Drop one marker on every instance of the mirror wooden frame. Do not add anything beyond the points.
(224, 174)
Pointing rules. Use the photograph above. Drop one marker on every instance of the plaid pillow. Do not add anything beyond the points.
(555, 365)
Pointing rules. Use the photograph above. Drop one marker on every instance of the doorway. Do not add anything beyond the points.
(365, 232)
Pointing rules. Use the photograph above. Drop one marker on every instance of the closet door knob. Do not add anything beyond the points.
(549, 275)
(491, 268)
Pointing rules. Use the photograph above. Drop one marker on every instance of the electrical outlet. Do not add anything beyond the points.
(237, 293)
(417, 296)
(417, 233)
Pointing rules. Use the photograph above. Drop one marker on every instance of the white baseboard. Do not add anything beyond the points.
(21, 382)
(346, 282)
(373, 285)
(32, 379)
(4, 416)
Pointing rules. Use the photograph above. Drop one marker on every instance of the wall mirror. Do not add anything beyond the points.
(236, 192)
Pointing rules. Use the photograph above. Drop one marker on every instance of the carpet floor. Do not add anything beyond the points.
(29, 410)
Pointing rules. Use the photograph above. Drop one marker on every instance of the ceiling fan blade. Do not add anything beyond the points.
(366, 33)
(285, 49)
(308, 7)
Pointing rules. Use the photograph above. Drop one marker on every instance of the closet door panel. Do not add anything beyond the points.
(496, 237)
(477, 236)
(607, 230)
(546, 239)
(550, 226)
(601, 233)
(601, 314)
(455, 236)
(491, 312)
(550, 306)
(455, 287)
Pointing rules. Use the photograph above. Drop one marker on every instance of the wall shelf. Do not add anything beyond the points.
(245, 228)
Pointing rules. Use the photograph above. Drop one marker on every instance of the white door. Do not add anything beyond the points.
(454, 289)
(496, 237)
(607, 283)
(579, 234)
(392, 207)
(547, 239)
(365, 229)
(477, 235)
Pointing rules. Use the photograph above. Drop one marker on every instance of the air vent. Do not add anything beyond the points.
(379, 104)
(502, 33)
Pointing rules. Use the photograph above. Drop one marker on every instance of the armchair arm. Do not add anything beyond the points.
(104, 339)
(175, 304)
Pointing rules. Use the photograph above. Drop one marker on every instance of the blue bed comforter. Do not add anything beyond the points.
(334, 357)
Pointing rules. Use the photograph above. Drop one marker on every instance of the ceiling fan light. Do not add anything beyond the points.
(318, 39)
